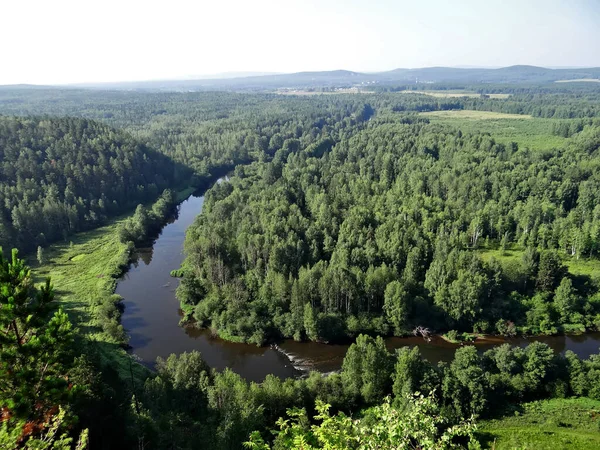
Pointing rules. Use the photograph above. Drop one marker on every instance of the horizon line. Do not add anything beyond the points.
(232, 75)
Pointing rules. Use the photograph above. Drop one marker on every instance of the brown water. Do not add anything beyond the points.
(327, 358)
(152, 316)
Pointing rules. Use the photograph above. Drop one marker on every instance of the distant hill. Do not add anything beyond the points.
(346, 78)
(512, 74)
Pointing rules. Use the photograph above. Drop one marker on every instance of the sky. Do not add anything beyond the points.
(77, 41)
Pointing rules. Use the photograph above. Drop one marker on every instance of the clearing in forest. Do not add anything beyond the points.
(474, 115)
(534, 133)
(455, 94)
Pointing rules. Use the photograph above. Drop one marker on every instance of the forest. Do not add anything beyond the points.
(390, 229)
(346, 218)
(64, 175)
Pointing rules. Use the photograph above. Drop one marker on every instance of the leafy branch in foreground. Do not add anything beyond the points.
(11, 437)
(420, 425)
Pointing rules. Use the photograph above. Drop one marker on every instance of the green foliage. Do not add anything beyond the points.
(35, 362)
(357, 215)
(377, 237)
(551, 271)
(397, 305)
(455, 337)
(175, 403)
(33, 347)
(367, 369)
(545, 425)
(63, 175)
(48, 439)
(463, 385)
(412, 374)
(382, 427)
(143, 223)
(565, 300)
(187, 404)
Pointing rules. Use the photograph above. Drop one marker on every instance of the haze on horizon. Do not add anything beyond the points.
(68, 41)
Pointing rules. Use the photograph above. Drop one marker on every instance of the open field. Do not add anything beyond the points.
(512, 256)
(550, 424)
(337, 91)
(455, 94)
(587, 80)
(532, 132)
(469, 114)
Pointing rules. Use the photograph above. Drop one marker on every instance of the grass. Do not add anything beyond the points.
(184, 194)
(474, 115)
(584, 267)
(83, 272)
(526, 131)
(512, 257)
(549, 424)
(455, 94)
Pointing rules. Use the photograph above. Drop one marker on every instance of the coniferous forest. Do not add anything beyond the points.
(345, 219)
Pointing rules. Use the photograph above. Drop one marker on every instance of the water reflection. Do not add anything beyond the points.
(152, 314)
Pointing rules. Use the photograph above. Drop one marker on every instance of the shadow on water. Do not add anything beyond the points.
(152, 318)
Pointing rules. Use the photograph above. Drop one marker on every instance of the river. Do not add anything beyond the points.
(152, 316)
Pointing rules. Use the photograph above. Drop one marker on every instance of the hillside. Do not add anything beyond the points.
(61, 176)
(345, 78)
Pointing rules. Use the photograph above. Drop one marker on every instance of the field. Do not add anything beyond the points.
(467, 114)
(455, 94)
(550, 424)
(532, 132)
(511, 257)
(309, 93)
(579, 80)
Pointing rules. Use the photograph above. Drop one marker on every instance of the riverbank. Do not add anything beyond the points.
(85, 272)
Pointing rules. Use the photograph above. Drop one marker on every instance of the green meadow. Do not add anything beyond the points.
(545, 425)
(527, 131)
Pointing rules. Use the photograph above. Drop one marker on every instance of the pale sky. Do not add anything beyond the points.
(72, 41)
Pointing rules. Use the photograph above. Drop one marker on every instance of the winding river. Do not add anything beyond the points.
(152, 315)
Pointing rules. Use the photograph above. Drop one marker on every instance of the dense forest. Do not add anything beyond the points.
(384, 231)
(345, 218)
(63, 175)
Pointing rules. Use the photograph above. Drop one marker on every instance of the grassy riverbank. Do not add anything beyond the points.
(84, 273)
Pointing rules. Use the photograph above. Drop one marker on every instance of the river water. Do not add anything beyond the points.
(152, 316)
